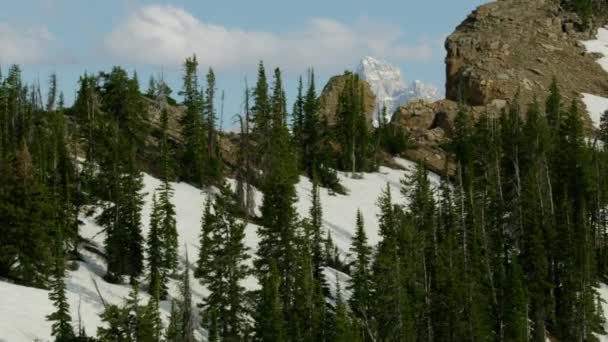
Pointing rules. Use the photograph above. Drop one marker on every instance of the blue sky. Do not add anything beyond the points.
(71, 36)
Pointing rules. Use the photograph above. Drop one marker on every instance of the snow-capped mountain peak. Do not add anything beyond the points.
(389, 86)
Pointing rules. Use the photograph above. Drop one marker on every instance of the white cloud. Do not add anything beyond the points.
(166, 35)
(24, 45)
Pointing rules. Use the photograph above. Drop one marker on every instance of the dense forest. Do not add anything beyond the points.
(510, 248)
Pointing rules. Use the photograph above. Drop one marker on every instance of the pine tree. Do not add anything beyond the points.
(62, 328)
(121, 217)
(173, 332)
(187, 317)
(516, 316)
(316, 238)
(279, 218)
(156, 277)
(310, 130)
(191, 155)
(224, 313)
(298, 122)
(390, 300)
(307, 321)
(269, 321)
(343, 326)
(360, 286)
(603, 132)
(167, 227)
(212, 160)
(262, 120)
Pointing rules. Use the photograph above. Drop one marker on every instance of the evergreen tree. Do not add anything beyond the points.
(310, 129)
(224, 313)
(156, 276)
(343, 326)
(121, 217)
(62, 328)
(279, 218)
(269, 320)
(390, 300)
(360, 286)
(173, 332)
(167, 227)
(212, 160)
(298, 122)
(262, 121)
(603, 132)
(185, 310)
(192, 131)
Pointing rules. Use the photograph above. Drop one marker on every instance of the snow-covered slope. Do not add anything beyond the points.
(23, 309)
(597, 105)
(390, 88)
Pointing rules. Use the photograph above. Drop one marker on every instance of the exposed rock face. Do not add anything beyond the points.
(500, 49)
(328, 101)
(512, 45)
(429, 124)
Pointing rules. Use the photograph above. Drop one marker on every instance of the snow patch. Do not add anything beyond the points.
(596, 106)
(23, 310)
(599, 45)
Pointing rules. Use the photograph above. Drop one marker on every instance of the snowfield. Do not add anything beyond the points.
(599, 45)
(597, 105)
(23, 310)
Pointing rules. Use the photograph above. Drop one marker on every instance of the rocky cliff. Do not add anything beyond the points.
(328, 101)
(500, 49)
(520, 45)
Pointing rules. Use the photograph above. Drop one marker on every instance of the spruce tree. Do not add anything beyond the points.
(156, 274)
(360, 285)
(279, 217)
(223, 310)
(269, 320)
(187, 318)
(61, 328)
(167, 227)
(192, 131)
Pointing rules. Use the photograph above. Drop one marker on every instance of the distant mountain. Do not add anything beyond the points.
(390, 87)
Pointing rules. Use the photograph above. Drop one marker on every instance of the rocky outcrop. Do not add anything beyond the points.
(520, 45)
(501, 49)
(429, 124)
(328, 101)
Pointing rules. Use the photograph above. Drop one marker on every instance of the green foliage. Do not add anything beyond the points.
(393, 139)
(61, 328)
(222, 270)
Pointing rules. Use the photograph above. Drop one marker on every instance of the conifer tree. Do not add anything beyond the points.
(62, 328)
(212, 160)
(310, 129)
(269, 320)
(315, 236)
(298, 122)
(156, 274)
(185, 310)
(167, 227)
(224, 313)
(308, 320)
(278, 213)
(262, 120)
(344, 328)
(173, 332)
(603, 132)
(191, 155)
(121, 217)
(360, 285)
